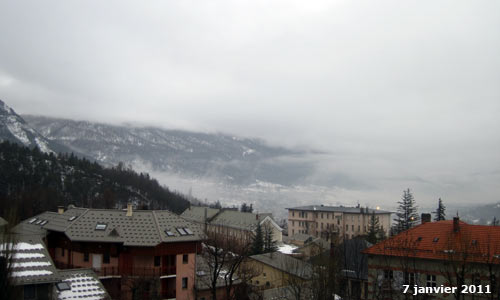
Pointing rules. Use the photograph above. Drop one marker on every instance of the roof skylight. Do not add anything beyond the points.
(169, 233)
(101, 226)
(44, 222)
(182, 231)
(72, 218)
(63, 286)
(188, 231)
(32, 220)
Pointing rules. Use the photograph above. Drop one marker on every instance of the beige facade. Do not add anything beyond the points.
(346, 221)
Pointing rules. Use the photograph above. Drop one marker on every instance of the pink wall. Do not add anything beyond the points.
(185, 270)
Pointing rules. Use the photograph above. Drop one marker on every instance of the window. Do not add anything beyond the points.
(321, 215)
(105, 258)
(101, 226)
(264, 274)
(293, 231)
(181, 231)
(293, 214)
(85, 256)
(388, 274)
(293, 223)
(184, 282)
(338, 221)
(346, 227)
(409, 278)
(435, 240)
(185, 258)
(63, 286)
(359, 228)
(352, 228)
(431, 280)
(268, 284)
(62, 252)
(157, 261)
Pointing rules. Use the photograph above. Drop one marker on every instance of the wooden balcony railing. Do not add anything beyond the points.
(128, 271)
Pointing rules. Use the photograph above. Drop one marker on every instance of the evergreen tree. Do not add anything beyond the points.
(244, 207)
(258, 241)
(440, 214)
(374, 229)
(407, 215)
(269, 243)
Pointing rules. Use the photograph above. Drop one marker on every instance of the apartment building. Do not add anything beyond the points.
(146, 252)
(348, 222)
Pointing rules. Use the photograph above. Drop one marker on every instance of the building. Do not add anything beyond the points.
(232, 222)
(321, 220)
(132, 252)
(279, 270)
(447, 253)
(35, 276)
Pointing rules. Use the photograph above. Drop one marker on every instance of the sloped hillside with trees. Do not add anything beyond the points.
(32, 181)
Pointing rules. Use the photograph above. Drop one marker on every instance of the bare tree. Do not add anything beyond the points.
(224, 253)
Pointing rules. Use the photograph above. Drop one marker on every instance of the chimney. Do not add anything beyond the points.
(425, 218)
(60, 210)
(456, 224)
(129, 209)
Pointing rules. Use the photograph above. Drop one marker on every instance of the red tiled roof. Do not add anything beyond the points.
(437, 240)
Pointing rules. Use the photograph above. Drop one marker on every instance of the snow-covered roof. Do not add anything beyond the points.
(80, 284)
(28, 260)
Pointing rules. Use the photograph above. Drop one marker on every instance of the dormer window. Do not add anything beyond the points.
(101, 226)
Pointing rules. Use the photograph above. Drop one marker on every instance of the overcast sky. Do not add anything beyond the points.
(403, 93)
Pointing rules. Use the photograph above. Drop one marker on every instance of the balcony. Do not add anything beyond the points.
(125, 271)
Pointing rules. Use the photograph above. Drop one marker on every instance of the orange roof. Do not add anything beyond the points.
(438, 240)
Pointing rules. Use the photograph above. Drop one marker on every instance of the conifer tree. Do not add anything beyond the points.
(440, 211)
(406, 216)
(269, 243)
(373, 229)
(258, 241)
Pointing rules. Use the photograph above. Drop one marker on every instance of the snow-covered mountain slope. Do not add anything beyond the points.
(232, 159)
(15, 129)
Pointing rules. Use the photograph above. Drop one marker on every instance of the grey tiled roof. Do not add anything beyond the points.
(197, 213)
(237, 219)
(303, 237)
(143, 228)
(83, 283)
(29, 260)
(343, 209)
(286, 264)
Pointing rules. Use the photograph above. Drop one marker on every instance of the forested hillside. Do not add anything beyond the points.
(32, 181)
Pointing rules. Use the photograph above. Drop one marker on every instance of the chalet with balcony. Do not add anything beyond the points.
(134, 253)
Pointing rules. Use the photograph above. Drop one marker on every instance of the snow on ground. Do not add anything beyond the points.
(286, 249)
